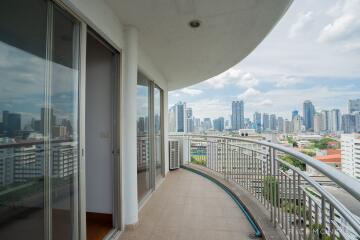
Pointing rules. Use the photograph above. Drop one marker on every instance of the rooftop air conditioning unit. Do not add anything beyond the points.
(174, 154)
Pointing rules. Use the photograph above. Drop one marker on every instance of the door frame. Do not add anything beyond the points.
(85, 25)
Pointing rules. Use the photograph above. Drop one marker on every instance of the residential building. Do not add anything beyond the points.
(266, 122)
(207, 124)
(325, 119)
(237, 115)
(308, 114)
(189, 119)
(354, 105)
(294, 114)
(257, 121)
(297, 124)
(287, 126)
(219, 124)
(335, 120)
(348, 123)
(96, 74)
(318, 123)
(350, 154)
(273, 123)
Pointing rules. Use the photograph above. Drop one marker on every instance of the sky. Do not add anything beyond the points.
(312, 53)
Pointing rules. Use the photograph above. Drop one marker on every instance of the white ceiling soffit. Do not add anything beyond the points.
(229, 31)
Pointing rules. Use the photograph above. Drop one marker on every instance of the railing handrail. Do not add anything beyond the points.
(350, 184)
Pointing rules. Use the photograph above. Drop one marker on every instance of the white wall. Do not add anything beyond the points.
(104, 20)
(99, 159)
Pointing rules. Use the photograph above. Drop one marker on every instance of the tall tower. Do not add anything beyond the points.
(237, 116)
(308, 114)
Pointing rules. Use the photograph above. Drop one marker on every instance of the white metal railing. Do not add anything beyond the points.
(298, 204)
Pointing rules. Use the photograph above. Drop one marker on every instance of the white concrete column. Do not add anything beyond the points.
(130, 206)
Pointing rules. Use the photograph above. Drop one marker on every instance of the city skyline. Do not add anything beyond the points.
(306, 56)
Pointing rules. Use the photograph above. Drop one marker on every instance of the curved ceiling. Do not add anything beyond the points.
(229, 31)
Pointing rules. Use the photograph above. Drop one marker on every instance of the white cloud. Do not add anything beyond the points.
(191, 91)
(248, 80)
(345, 22)
(286, 81)
(223, 79)
(352, 46)
(212, 108)
(303, 21)
(249, 93)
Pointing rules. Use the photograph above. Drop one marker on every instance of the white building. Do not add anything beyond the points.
(350, 154)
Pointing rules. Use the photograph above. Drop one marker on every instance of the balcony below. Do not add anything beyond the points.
(188, 206)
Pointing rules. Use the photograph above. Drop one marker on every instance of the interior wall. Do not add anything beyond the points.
(99, 159)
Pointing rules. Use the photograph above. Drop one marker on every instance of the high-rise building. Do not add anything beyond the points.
(257, 121)
(357, 121)
(207, 124)
(317, 123)
(280, 125)
(348, 123)
(335, 120)
(172, 119)
(325, 119)
(189, 120)
(294, 114)
(266, 122)
(237, 116)
(354, 105)
(287, 126)
(350, 154)
(11, 123)
(308, 114)
(296, 122)
(273, 123)
(219, 124)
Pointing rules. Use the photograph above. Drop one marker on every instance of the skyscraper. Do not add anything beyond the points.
(335, 120)
(294, 113)
(273, 123)
(348, 123)
(219, 124)
(354, 105)
(280, 124)
(207, 123)
(325, 119)
(177, 122)
(308, 113)
(189, 120)
(317, 123)
(237, 116)
(266, 121)
(297, 124)
(257, 121)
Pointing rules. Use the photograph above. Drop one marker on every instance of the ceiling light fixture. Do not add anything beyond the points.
(195, 23)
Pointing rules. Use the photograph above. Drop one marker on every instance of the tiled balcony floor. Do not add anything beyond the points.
(187, 206)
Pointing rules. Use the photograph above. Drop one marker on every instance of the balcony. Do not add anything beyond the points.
(188, 206)
(257, 173)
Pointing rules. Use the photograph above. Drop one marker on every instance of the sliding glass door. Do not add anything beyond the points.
(39, 58)
(158, 133)
(149, 135)
(143, 136)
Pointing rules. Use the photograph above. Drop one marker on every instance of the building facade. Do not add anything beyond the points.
(237, 115)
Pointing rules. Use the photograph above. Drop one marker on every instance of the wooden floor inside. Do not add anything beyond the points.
(98, 225)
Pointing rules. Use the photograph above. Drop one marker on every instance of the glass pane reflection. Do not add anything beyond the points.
(143, 156)
(22, 78)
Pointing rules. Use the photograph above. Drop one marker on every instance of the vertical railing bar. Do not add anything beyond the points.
(304, 215)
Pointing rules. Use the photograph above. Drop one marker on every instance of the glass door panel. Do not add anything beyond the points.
(63, 112)
(158, 142)
(143, 137)
(22, 87)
